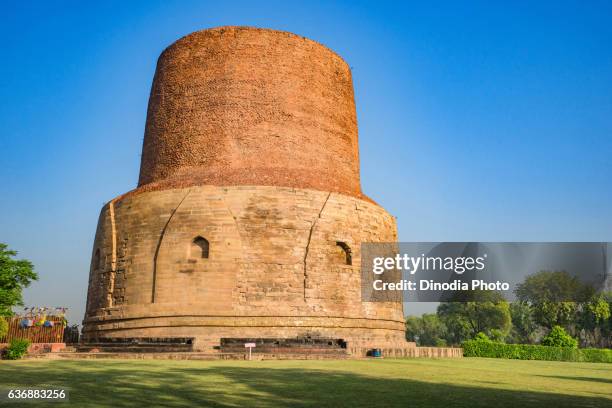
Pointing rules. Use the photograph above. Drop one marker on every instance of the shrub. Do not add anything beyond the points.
(480, 336)
(558, 337)
(17, 349)
(594, 355)
(441, 343)
(3, 327)
(497, 335)
(480, 348)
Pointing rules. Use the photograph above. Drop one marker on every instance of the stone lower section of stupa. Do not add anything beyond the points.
(280, 263)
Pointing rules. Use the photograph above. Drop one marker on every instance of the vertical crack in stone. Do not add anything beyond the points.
(312, 225)
(113, 270)
(161, 238)
(223, 194)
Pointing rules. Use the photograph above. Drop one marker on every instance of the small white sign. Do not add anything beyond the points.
(249, 344)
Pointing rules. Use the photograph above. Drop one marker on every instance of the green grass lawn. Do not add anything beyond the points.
(468, 382)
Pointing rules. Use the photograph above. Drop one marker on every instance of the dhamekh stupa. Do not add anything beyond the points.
(248, 217)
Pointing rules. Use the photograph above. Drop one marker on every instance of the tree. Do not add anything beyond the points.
(427, 330)
(557, 286)
(554, 297)
(4, 327)
(593, 321)
(524, 328)
(485, 312)
(14, 276)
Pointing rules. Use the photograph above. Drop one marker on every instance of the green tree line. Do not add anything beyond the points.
(540, 309)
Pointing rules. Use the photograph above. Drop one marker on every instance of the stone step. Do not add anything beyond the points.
(140, 340)
(149, 348)
(285, 350)
(143, 345)
(105, 344)
(189, 356)
(137, 355)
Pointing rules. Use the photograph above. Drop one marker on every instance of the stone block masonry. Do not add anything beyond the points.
(273, 268)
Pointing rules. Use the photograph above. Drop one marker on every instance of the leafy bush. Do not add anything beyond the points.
(3, 327)
(441, 343)
(594, 355)
(497, 335)
(558, 337)
(480, 348)
(17, 349)
(480, 336)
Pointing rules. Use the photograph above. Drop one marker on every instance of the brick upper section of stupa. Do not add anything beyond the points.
(248, 106)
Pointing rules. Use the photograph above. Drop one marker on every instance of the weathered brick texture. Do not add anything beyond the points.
(246, 106)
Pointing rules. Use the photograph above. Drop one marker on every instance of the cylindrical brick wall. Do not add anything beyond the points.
(250, 106)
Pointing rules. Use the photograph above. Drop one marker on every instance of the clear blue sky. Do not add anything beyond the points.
(477, 122)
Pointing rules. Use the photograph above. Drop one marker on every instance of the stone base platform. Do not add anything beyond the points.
(410, 352)
(213, 262)
(188, 356)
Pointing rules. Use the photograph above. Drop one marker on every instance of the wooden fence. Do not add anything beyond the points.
(36, 334)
